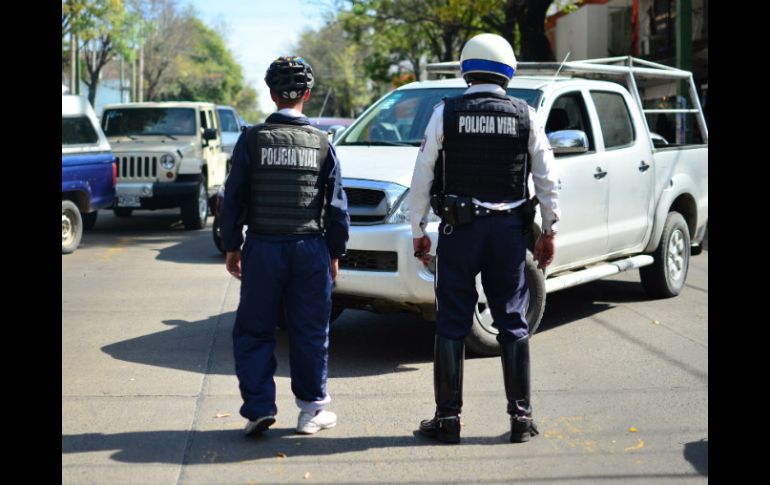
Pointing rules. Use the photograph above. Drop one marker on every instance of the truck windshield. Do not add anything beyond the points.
(400, 117)
(149, 121)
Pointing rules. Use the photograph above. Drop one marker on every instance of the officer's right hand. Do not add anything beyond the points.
(233, 263)
(335, 268)
(422, 249)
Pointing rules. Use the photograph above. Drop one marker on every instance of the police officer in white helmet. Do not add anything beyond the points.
(473, 170)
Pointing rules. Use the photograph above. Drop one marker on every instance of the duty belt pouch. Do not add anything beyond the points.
(436, 203)
(457, 211)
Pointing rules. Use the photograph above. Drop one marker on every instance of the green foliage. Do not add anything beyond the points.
(245, 103)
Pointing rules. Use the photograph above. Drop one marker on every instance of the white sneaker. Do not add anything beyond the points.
(309, 423)
(254, 428)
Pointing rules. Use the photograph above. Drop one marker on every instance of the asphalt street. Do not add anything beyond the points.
(149, 394)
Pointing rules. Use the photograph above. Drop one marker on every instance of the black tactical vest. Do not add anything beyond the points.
(286, 193)
(486, 148)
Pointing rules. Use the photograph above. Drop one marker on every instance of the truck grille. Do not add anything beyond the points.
(364, 197)
(370, 260)
(137, 167)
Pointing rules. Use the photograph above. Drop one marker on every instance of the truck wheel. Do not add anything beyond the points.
(71, 226)
(89, 220)
(195, 212)
(483, 336)
(122, 211)
(666, 276)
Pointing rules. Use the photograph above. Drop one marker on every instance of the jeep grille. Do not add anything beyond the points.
(137, 167)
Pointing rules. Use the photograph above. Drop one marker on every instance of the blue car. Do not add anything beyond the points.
(88, 171)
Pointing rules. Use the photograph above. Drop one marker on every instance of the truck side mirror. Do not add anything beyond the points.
(335, 131)
(568, 142)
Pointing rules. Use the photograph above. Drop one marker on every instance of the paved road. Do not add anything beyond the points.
(149, 395)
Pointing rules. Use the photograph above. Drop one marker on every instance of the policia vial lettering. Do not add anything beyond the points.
(282, 156)
(486, 124)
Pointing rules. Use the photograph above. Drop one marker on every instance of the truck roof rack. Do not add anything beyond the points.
(637, 73)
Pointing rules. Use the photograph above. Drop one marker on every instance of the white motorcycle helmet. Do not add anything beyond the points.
(488, 54)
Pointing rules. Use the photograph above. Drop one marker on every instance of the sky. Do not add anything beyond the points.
(258, 31)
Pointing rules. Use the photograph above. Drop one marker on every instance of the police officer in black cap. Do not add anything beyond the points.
(285, 186)
(473, 170)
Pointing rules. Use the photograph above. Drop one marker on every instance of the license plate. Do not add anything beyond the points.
(129, 201)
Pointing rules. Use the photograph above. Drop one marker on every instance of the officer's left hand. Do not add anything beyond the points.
(233, 263)
(544, 251)
(422, 249)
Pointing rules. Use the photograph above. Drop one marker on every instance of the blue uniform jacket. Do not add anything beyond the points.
(336, 230)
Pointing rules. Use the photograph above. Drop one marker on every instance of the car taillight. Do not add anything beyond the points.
(114, 173)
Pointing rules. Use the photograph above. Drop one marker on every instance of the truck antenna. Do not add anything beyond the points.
(561, 65)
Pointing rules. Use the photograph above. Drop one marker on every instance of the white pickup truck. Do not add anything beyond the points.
(629, 198)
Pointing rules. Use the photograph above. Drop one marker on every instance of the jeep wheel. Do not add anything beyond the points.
(122, 211)
(483, 336)
(89, 220)
(195, 211)
(71, 227)
(216, 232)
(666, 276)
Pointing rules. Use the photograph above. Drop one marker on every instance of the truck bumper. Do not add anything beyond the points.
(406, 280)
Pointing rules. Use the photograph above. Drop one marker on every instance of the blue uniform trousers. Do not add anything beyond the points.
(298, 271)
(496, 246)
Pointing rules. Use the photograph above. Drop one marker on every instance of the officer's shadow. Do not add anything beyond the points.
(231, 446)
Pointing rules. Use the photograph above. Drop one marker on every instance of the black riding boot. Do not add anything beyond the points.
(515, 356)
(448, 358)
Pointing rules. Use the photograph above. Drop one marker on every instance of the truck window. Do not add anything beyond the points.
(614, 119)
(569, 112)
(149, 121)
(78, 130)
(204, 120)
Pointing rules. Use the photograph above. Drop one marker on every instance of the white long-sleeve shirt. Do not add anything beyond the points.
(543, 171)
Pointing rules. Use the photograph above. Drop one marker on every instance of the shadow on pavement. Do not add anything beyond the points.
(361, 344)
(231, 446)
(697, 453)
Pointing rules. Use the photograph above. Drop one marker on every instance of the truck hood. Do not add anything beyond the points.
(170, 146)
(382, 163)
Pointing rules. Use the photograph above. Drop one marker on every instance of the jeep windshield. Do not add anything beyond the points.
(400, 117)
(149, 122)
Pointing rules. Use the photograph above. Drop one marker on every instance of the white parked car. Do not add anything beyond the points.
(625, 202)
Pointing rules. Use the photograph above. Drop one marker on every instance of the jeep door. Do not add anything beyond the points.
(583, 196)
(212, 151)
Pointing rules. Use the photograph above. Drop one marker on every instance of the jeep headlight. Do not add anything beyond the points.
(167, 162)
(401, 214)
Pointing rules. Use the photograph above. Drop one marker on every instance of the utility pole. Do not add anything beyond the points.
(73, 65)
(121, 80)
(141, 73)
(133, 80)
(683, 22)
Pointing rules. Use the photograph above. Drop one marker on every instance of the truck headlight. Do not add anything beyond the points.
(167, 162)
(401, 214)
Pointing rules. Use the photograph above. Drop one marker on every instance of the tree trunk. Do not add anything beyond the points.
(534, 43)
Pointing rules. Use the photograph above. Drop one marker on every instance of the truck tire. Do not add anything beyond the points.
(195, 211)
(89, 220)
(482, 338)
(666, 276)
(122, 211)
(71, 226)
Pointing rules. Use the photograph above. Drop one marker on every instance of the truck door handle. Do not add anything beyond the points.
(599, 173)
(643, 167)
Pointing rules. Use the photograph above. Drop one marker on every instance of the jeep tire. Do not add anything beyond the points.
(195, 211)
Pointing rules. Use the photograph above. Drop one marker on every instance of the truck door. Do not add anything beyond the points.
(211, 152)
(630, 174)
(583, 196)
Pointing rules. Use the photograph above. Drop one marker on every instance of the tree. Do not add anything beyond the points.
(338, 64)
